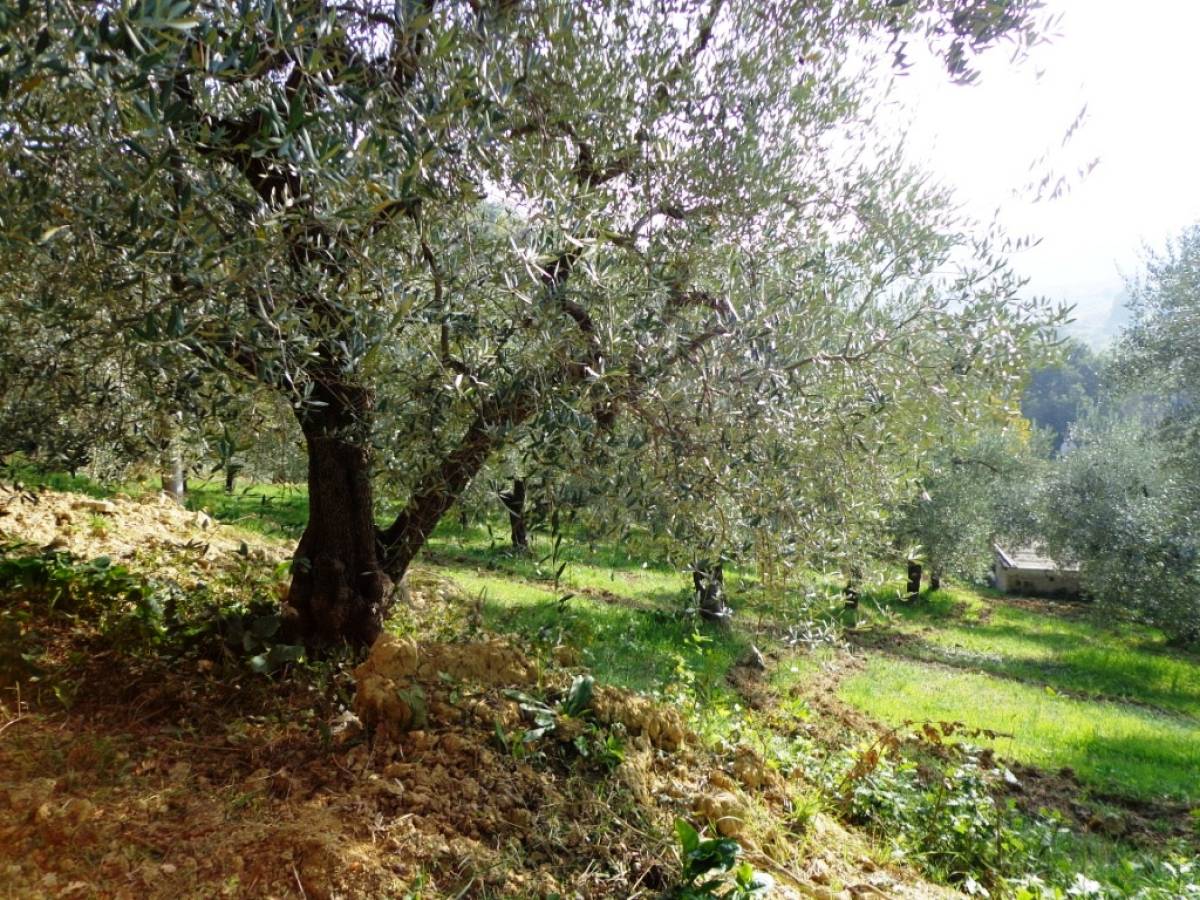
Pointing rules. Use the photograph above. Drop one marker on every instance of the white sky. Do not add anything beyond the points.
(1136, 67)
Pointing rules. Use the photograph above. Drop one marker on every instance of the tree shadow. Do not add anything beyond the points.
(272, 510)
(1167, 769)
(1072, 663)
(635, 648)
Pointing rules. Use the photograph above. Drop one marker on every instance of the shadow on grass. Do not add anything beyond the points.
(1114, 747)
(1162, 766)
(272, 509)
(487, 544)
(622, 644)
(1076, 655)
(929, 606)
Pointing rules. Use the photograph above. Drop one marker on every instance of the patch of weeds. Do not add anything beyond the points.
(804, 807)
(126, 606)
(139, 615)
(240, 802)
(698, 673)
(939, 804)
(569, 721)
(1175, 877)
(253, 633)
(710, 869)
(939, 807)
(574, 706)
(61, 582)
(417, 890)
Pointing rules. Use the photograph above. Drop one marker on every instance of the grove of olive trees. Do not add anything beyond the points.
(434, 227)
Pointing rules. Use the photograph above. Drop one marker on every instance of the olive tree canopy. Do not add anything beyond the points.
(429, 225)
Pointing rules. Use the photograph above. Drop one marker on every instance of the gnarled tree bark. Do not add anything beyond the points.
(339, 589)
(445, 482)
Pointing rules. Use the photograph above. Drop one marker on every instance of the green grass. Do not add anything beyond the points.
(624, 615)
(646, 648)
(603, 571)
(32, 477)
(1081, 652)
(1051, 680)
(1115, 747)
(276, 510)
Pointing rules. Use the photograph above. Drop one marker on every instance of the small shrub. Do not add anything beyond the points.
(710, 865)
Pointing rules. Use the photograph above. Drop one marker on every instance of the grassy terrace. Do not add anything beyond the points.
(1116, 705)
(1119, 707)
(1110, 700)
(620, 613)
(1118, 748)
(1065, 646)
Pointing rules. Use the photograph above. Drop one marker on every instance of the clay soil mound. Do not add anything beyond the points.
(182, 784)
(153, 530)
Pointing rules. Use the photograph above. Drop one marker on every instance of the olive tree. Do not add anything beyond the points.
(1116, 505)
(1125, 501)
(426, 225)
(71, 396)
(975, 488)
(1156, 364)
(1059, 393)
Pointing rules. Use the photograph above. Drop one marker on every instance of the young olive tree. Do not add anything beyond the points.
(1116, 505)
(425, 224)
(974, 489)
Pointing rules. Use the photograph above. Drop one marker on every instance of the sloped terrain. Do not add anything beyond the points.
(476, 765)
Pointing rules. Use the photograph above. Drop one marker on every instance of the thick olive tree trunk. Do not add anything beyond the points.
(339, 590)
(514, 503)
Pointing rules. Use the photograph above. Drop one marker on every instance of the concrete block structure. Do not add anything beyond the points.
(1025, 571)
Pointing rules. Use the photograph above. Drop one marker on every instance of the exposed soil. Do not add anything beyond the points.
(1144, 823)
(148, 777)
(163, 783)
(153, 532)
(750, 685)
